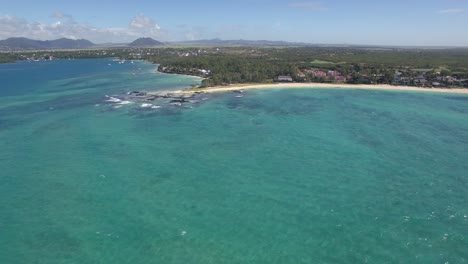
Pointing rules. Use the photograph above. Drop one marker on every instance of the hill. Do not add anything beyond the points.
(25, 43)
(145, 42)
(242, 42)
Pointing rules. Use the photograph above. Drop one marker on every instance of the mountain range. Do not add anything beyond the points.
(243, 42)
(64, 43)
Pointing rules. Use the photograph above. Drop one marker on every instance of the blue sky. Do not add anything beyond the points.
(397, 22)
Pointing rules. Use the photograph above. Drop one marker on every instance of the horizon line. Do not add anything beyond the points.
(292, 42)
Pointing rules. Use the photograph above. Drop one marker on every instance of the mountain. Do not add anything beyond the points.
(145, 42)
(63, 43)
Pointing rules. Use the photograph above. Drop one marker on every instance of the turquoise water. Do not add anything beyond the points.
(277, 176)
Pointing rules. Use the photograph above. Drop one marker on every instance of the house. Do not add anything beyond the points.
(319, 73)
(300, 76)
(421, 81)
(204, 72)
(283, 78)
(333, 73)
(401, 80)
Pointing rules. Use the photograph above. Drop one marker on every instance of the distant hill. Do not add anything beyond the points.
(145, 42)
(243, 42)
(63, 43)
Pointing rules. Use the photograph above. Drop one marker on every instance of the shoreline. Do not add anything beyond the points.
(186, 75)
(310, 85)
(319, 86)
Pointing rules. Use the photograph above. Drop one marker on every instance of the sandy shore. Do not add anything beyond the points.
(321, 85)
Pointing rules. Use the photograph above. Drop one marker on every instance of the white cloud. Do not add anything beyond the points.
(314, 5)
(144, 26)
(65, 26)
(61, 15)
(142, 22)
(451, 11)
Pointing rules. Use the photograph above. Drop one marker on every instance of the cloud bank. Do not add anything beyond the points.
(65, 26)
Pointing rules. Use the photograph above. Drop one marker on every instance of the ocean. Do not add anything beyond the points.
(275, 176)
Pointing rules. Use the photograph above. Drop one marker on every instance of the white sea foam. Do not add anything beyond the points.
(146, 105)
(113, 99)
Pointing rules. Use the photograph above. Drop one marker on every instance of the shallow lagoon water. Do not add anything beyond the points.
(277, 176)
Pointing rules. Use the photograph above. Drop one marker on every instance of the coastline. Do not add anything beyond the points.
(187, 75)
(320, 85)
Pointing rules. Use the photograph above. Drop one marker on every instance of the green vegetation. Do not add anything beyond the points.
(225, 68)
(321, 62)
(350, 65)
(7, 57)
(230, 65)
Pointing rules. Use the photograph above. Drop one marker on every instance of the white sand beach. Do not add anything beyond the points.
(323, 85)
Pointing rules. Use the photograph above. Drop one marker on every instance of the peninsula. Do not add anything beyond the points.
(298, 66)
(425, 68)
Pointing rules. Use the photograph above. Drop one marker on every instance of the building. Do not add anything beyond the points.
(283, 78)
(319, 73)
(333, 73)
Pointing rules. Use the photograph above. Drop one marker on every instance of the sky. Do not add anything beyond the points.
(387, 22)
